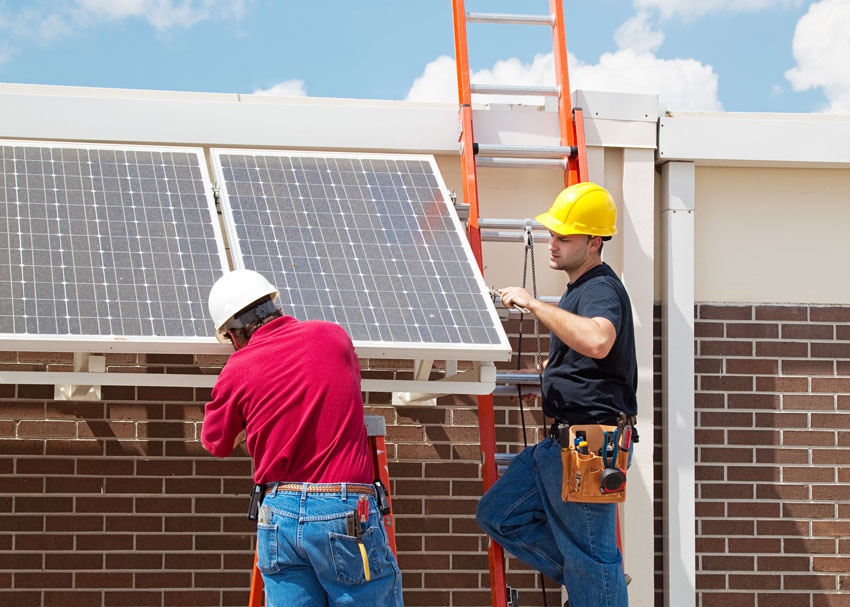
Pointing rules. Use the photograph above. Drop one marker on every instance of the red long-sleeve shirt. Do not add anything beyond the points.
(295, 389)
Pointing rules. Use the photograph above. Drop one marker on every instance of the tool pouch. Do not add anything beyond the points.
(585, 475)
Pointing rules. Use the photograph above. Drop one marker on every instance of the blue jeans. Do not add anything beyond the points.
(308, 559)
(574, 544)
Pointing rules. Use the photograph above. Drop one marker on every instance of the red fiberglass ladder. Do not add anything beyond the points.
(569, 157)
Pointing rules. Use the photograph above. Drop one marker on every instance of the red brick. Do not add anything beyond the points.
(786, 599)
(808, 331)
(754, 401)
(815, 402)
(839, 421)
(704, 329)
(134, 598)
(781, 349)
(724, 312)
(784, 491)
(755, 582)
(782, 563)
(72, 599)
(808, 438)
(709, 347)
(752, 366)
(755, 474)
(790, 313)
(807, 474)
(839, 564)
(831, 384)
(808, 510)
(726, 383)
(752, 330)
(80, 561)
(808, 367)
(808, 582)
(831, 350)
(782, 384)
(781, 420)
(830, 313)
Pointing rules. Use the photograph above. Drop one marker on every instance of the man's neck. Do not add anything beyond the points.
(591, 263)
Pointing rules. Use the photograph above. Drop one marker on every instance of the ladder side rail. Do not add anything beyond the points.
(255, 598)
(486, 414)
(562, 77)
(380, 469)
(581, 145)
(466, 136)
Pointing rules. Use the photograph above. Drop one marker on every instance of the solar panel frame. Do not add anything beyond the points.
(89, 237)
(318, 224)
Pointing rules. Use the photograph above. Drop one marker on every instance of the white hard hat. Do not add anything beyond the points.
(233, 292)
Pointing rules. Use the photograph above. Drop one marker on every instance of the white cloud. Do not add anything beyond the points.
(682, 84)
(692, 9)
(821, 48)
(45, 21)
(637, 34)
(287, 88)
(438, 82)
(163, 14)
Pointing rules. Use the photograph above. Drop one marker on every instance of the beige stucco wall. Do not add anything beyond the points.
(772, 235)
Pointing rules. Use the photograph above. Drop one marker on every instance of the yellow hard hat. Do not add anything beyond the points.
(583, 208)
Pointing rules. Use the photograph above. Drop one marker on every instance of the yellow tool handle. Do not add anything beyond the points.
(365, 561)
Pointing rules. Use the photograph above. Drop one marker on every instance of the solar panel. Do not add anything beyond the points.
(106, 242)
(368, 241)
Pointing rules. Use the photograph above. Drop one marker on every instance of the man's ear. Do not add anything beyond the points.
(235, 340)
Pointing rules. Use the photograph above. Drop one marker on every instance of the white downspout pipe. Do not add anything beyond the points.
(677, 303)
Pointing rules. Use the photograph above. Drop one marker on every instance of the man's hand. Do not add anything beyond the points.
(516, 297)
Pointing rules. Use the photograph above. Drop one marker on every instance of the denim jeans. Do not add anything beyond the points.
(308, 559)
(574, 544)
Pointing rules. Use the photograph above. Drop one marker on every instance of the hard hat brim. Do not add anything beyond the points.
(559, 228)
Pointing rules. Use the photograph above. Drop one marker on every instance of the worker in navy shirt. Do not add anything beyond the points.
(590, 377)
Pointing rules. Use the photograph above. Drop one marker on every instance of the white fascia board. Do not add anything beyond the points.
(619, 120)
(756, 140)
(115, 115)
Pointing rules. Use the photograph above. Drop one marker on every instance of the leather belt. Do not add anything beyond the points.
(320, 488)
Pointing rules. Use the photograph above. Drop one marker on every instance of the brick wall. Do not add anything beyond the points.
(116, 503)
(772, 452)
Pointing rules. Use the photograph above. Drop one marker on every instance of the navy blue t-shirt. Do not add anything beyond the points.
(581, 390)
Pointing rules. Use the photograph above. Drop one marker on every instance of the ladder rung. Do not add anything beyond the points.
(498, 236)
(522, 163)
(505, 18)
(514, 89)
(516, 224)
(526, 151)
(513, 379)
(511, 390)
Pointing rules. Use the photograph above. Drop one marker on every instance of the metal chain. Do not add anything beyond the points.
(529, 254)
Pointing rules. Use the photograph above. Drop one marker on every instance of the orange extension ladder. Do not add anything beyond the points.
(570, 157)
(376, 430)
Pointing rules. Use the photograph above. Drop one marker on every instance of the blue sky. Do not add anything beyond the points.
(727, 55)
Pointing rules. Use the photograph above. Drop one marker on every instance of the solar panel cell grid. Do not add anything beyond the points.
(105, 241)
(369, 242)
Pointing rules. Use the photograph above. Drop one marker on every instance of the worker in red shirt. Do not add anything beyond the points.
(291, 391)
